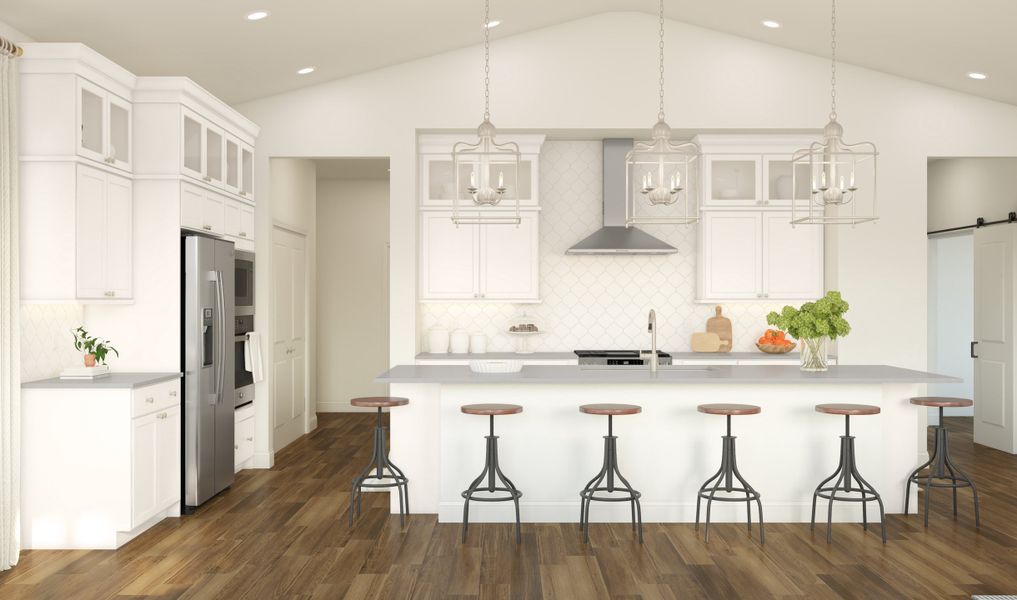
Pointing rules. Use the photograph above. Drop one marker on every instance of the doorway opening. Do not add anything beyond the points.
(971, 248)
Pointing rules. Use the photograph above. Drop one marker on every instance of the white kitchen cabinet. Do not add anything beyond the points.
(103, 235)
(214, 156)
(243, 447)
(752, 171)
(731, 180)
(758, 255)
(104, 125)
(437, 176)
(100, 465)
(239, 220)
(202, 209)
(231, 164)
(494, 263)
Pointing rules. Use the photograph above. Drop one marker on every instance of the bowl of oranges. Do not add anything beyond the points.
(775, 341)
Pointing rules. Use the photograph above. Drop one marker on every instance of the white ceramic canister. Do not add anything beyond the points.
(437, 340)
(460, 342)
(478, 343)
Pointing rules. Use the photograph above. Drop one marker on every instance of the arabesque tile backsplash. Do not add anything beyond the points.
(597, 302)
(46, 342)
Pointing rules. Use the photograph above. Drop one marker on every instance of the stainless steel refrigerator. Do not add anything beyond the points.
(208, 307)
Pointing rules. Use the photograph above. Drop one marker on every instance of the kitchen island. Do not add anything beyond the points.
(551, 450)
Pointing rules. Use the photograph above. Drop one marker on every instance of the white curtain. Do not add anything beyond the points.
(10, 335)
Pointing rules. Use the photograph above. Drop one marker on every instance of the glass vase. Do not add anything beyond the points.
(813, 354)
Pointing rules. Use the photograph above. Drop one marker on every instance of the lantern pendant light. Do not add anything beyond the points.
(841, 177)
(486, 172)
(661, 174)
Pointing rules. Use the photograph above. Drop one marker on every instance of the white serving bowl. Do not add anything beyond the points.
(496, 366)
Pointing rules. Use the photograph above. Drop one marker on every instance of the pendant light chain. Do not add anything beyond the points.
(487, 60)
(660, 47)
(833, 61)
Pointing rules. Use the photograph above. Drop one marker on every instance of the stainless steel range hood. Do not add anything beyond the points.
(614, 237)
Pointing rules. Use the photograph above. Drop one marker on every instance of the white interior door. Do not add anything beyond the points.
(289, 365)
(994, 332)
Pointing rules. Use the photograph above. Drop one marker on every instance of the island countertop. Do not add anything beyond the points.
(719, 374)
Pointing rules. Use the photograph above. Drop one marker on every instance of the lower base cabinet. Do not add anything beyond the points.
(99, 465)
(243, 437)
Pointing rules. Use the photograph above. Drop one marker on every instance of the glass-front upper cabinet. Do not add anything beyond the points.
(440, 183)
(247, 171)
(731, 180)
(214, 159)
(232, 161)
(193, 160)
(104, 126)
(781, 186)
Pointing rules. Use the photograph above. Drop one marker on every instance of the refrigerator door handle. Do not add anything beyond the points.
(221, 301)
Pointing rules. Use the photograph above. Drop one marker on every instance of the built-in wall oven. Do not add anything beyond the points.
(244, 278)
(243, 379)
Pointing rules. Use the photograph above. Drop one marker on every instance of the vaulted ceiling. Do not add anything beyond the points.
(935, 41)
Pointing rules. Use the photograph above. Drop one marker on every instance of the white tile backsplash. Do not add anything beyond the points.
(46, 342)
(597, 302)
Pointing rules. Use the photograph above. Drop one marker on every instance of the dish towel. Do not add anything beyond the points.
(252, 356)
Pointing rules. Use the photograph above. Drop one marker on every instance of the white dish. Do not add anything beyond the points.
(496, 366)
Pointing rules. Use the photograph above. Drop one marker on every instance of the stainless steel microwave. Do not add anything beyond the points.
(244, 283)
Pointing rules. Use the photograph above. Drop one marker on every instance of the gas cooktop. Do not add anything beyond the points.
(620, 357)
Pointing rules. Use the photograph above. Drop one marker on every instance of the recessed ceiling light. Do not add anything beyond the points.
(305, 71)
(977, 75)
(493, 24)
(771, 24)
(257, 15)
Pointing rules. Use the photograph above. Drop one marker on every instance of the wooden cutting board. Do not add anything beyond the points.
(720, 325)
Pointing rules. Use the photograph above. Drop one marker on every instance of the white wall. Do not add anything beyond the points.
(291, 203)
(963, 189)
(613, 292)
(952, 317)
(352, 276)
(600, 72)
(13, 34)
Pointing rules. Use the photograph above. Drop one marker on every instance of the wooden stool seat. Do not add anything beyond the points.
(729, 409)
(941, 401)
(379, 401)
(612, 410)
(848, 409)
(492, 409)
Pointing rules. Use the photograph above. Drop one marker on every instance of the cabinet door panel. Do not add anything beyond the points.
(214, 159)
(119, 233)
(91, 120)
(192, 206)
(144, 449)
(90, 250)
(232, 164)
(449, 258)
(247, 171)
(118, 136)
(167, 461)
(247, 222)
(213, 213)
(731, 258)
(508, 260)
(233, 218)
(193, 160)
(792, 259)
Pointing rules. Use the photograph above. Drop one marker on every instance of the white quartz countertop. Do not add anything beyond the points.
(726, 374)
(791, 357)
(114, 380)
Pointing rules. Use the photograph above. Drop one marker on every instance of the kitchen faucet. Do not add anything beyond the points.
(652, 329)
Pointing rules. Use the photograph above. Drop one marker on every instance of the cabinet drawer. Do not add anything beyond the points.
(155, 397)
(243, 445)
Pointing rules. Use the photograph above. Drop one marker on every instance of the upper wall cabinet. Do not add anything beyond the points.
(751, 171)
(104, 123)
(215, 157)
(437, 176)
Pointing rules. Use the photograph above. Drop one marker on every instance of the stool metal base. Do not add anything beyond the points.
(604, 483)
(379, 464)
(723, 481)
(844, 477)
(941, 469)
(492, 472)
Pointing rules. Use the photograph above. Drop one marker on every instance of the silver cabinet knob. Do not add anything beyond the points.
(243, 234)
(207, 178)
(250, 439)
(150, 400)
(161, 415)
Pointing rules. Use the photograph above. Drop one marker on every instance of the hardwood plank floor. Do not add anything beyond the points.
(282, 533)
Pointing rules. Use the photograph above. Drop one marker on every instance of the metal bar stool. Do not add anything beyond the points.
(723, 479)
(846, 471)
(379, 461)
(609, 472)
(492, 472)
(940, 464)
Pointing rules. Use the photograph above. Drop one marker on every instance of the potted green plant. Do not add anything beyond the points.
(95, 349)
(814, 324)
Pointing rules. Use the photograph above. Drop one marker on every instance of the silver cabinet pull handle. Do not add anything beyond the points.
(161, 415)
(250, 439)
(236, 446)
(150, 400)
(243, 234)
(207, 227)
(173, 393)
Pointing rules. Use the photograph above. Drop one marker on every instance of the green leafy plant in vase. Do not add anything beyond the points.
(94, 349)
(814, 324)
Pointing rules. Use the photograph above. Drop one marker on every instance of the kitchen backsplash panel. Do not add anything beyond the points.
(46, 343)
(598, 302)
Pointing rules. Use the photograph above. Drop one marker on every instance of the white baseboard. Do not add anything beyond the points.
(262, 460)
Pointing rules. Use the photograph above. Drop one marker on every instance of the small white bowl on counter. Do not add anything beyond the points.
(496, 366)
